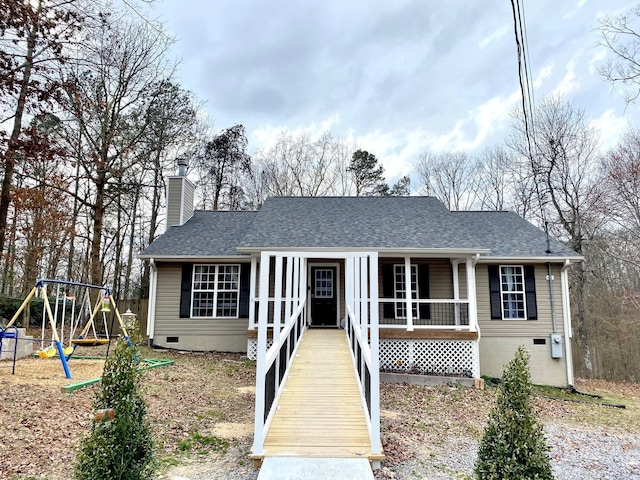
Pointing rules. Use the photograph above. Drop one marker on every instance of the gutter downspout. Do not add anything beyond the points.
(566, 316)
(151, 311)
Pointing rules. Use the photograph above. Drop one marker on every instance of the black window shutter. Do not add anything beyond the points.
(388, 290)
(185, 290)
(494, 292)
(243, 307)
(423, 290)
(530, 292)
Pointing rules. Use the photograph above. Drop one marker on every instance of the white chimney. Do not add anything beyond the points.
(180, 195)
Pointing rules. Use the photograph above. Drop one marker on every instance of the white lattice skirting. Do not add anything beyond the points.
(252, 347)
(435, 357)
(431, 357)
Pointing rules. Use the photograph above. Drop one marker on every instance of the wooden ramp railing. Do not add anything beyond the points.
(320, 411)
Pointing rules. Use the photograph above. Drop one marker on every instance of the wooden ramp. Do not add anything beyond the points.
(320, 412)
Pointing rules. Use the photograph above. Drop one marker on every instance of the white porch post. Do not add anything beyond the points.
(303, 285)
(408, 292)
(277, 297)
(364, 296)
(348, 284)
(261, 360)
(356, 292)
(296, 288)
(471, 294)
(288, 289)
(456, 289)
(375, 359)
(252, 292)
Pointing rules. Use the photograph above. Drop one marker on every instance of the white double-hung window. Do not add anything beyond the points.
(512, 292)
(400, 287)
(215, 291)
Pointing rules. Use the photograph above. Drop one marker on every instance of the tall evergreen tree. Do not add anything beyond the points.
(368, 176)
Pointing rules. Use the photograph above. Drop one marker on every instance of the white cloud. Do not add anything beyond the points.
(610, 127)
(543, 74)
(493, 37)
(575, 10)
(597, 58)
(569, 82)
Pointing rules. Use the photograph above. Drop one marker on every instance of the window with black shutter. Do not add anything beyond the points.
(512, 292)
(214, 291)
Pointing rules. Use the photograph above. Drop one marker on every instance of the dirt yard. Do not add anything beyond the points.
(201, 409)
(192, 403)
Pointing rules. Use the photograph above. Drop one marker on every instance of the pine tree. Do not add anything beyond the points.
(120, 447)
(514, 445)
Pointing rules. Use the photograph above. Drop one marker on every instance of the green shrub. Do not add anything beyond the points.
(9, 306)
(121, 448)
(514, 445)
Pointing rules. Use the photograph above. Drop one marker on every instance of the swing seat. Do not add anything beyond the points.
(67, 351)
(47, 352)
(90, 342)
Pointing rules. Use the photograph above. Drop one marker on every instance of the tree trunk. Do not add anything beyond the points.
(75, 212)
(132, 236)
(98, 226)
(12, 146)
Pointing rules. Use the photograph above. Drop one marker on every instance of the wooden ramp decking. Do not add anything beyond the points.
(320, 411)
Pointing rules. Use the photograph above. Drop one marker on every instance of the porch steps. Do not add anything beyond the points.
(320, 413)
(280, 468)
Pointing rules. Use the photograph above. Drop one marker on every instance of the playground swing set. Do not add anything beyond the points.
(76, 311)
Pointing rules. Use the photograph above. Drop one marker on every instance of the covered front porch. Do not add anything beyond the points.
(434, 331)
(429, 328)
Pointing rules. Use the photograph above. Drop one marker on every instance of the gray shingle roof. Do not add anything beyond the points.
(509, 235)
(366, 222)
(206, 234)
(377, 223)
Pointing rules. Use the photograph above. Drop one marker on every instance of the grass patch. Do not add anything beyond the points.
(203, 444)
(567, 395)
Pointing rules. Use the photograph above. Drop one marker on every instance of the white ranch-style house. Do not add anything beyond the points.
(414, 287)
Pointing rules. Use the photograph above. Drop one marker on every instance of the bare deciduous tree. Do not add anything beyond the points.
(562, 164)
(451, 177)
(620, 34)
(620, 187)
(31, 45)
(297, 165)
(109, 94)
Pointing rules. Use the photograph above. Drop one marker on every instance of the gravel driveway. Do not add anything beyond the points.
(576, 453)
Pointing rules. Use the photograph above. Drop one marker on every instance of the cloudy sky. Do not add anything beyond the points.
(399, 77)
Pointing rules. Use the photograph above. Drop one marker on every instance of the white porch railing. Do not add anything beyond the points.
(361, 303)
(426, 313)
(283, 314)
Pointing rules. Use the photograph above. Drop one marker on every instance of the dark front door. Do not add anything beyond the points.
(324, 298)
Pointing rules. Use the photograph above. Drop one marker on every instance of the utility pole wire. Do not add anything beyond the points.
(528, 104)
